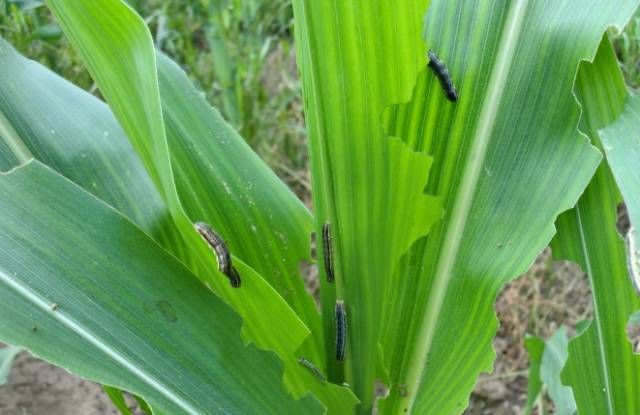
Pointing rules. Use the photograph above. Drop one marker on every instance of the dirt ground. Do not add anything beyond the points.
(37, 388)
(549, 295)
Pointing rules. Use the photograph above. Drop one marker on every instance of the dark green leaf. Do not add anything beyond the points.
(601, 369)
(535, 348)
(112, 306)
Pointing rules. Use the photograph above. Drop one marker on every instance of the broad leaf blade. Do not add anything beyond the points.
(221, 181)
(621, 141)
(111, 305)
(601, 369)
(489, 164)
(366, 185)
(535, 166)
(76, 134)
(116, 47)
(118, 51)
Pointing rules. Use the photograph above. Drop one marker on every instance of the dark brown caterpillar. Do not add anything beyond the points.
(328, 252)
(219, 248)
(341, 330)
(312, 368)
(442, 73)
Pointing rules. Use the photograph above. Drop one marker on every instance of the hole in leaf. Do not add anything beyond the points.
(623, 223)
(309, 272)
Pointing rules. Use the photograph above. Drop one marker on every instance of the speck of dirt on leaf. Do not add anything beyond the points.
(167, 311)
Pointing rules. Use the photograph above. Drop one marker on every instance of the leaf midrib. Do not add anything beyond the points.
(40, 302)
(464, 198)
(601, 348)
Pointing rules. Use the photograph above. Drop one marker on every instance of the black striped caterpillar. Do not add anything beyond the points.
(442, 73)
(341, 330)
(219, 248)
(328, 252)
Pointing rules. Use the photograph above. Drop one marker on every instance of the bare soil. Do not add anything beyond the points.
(38, 388)
(551, 294)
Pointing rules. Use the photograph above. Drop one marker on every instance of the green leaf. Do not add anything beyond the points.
(510, 139)
(535, 348)
(602, 369)
(367, 186)
(263, 223)
(144, 406)
(547, 358)
(117, 49)
(621, 141)
(46, 117)
(118, 400)
(112, 306)
(7, 354)
(553, 361)
(76, 134)
(514, 133)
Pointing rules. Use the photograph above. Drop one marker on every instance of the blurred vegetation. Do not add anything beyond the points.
(239, 52)
(627, 46)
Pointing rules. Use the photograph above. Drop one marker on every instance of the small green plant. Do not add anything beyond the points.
(433, 204)
(547, 358)
(7, 354)
(627, 45)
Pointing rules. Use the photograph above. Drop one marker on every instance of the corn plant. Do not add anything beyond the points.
(547, 359)
(426, 202)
